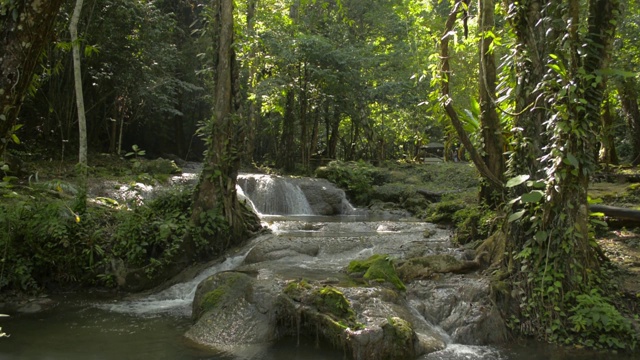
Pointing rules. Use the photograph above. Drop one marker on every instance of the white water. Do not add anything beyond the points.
(273, 195)
(176, 299)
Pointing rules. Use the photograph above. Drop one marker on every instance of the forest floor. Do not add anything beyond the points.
(621, 241)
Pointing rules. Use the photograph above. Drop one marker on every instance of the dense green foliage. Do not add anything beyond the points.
(47, 244)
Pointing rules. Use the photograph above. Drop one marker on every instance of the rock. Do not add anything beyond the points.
(323, 196)
(461, 306)
(278, 248)
(233, 314)
(296, 288)
(160, 166)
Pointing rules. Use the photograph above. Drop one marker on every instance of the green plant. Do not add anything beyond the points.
(597, 323)
(135, 154)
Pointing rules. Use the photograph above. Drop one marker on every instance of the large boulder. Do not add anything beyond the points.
(233, 314)
(323, 196)
(461, 306)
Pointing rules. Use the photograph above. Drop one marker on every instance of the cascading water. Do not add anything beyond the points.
(176, 299)
(274, 195)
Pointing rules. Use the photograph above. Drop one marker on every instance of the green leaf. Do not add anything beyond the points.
(15, 139)
(532, 197)
(515, 181)
(541, 236)
(516, 216)
(571, 160)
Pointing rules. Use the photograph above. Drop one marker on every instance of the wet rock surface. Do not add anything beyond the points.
(278, 291)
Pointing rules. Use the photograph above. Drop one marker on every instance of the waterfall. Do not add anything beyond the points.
(273, 195)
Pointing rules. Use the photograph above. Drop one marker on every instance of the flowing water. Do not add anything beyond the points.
(152, 327)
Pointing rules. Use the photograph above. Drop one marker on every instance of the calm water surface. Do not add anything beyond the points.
(78, 331)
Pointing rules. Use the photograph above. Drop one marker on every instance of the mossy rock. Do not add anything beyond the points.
(378, 267)
(160, 166)
(425, 266)
(219, 290)
(330, 300)
(400, 337)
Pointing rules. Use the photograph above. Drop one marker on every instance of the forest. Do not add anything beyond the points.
(540, 96)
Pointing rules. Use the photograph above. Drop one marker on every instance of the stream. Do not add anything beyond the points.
(152, 327)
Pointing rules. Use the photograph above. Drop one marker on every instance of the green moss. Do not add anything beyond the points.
(212, 298)
(402, 330)
(377, 268)
(231, 287)
(295, 289)
(330, 300)
(357, 266)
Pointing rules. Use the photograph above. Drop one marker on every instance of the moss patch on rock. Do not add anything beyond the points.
(378, 267)
(218, 290)
(425, 266)
(331, 301)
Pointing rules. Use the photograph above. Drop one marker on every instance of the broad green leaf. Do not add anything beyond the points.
(515, 181)
(532, 197)
(541, 236)
(516, 215)
(571, 160)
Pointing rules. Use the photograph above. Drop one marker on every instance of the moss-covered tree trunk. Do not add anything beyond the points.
(25, 30)
(217, 214)
(552, 261)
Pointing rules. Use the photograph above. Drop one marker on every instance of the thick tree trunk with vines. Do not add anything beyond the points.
(217, 214)
(552, 259)
(25, 31)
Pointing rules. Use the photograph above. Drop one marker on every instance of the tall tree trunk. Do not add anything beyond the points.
(447, 101)
(217, 213)
(553, 260)
(26, 30)
(77, 74)
(333, 133)
(303, 111)
(628, 90)
(253, 107)
(608, 154)
(492, 137)
(286, 155)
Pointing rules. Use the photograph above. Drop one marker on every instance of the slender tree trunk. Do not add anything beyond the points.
(25, 31)
(286, 155)
(628, 90)
(334, 133)
(304, 121)
(608, 154)
(77, 74)
(217, 213)
(492, 137)
(252, 80)
(447, 101)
